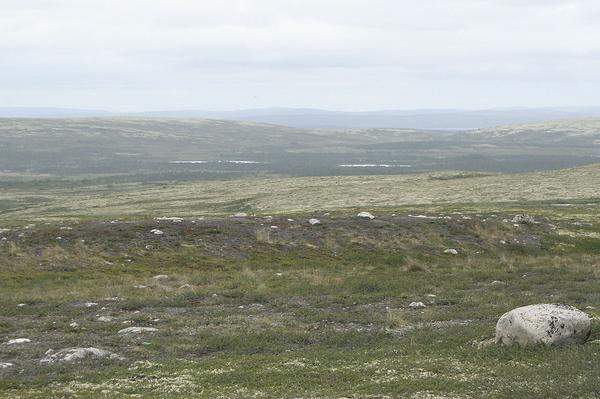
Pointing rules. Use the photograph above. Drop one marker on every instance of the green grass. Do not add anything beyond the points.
(309, 312)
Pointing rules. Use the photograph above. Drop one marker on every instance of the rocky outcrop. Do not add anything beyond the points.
(71, 355)
(137, 330)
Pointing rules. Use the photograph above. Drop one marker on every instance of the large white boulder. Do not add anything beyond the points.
(70, 355)
(550, 324)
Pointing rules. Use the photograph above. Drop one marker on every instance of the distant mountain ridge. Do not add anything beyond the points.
(432, 119)
(412, 119)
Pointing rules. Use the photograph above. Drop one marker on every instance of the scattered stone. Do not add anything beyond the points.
(416, 305)
(274, 227)
(239, 215)
(105, 319)
(139, 286)
(523, 219)
(74, 324)
(70, 355)
(429, 217)
(451, 251)
(170, 219)
(161, 277)
(314, 221)
(137, 330)
(4, 365)
(497, 283)
(20, 305)
(366, 215)
(17, 341)
(550, 324)
(290, 220)
(185, 287)
(157, 232)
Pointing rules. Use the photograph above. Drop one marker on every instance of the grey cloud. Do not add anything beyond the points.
(288, 53)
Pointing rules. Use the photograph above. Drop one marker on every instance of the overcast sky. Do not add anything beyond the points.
(334, 54)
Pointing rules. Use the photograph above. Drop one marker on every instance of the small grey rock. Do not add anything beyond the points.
(416, 305)
(366, 215)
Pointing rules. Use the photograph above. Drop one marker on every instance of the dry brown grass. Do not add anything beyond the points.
(299, 194)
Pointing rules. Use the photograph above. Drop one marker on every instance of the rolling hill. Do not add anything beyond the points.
(190, 149)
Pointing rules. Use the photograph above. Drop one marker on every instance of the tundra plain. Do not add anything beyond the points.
(266, 305)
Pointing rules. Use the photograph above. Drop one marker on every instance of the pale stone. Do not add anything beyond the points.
(70, 355)
(550, 324)
(137, 330)
(17, 341)
(365, 215)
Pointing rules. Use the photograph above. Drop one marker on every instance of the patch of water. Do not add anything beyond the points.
(373, 165)
(219, 161)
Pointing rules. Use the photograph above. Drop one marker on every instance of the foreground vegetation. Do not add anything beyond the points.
(249, 310)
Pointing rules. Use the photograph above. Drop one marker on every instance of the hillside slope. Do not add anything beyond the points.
(158, 149)
(582, 132)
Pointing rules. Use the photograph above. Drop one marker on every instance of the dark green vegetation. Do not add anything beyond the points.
(301, 311)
